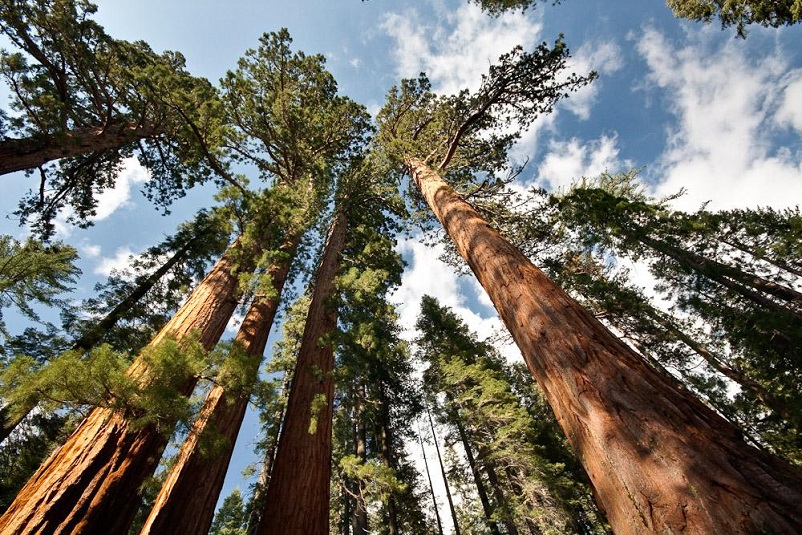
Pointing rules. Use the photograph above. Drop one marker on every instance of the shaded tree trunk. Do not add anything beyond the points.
(477, 477)
(297, 499)
(29, 153)
(258, 500)
(431, 488)
(90, 338)
(361, 510)
(658, 458)
(386, 454)
(90, 484)
(745, 284)
(498, 494)
(443, 473)
(187, 499)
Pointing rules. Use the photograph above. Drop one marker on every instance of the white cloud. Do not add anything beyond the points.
(604, 58)
(89, 250)
(121, 260)
(111, 200)
(790, 111)
(727, 106)
(457, 47)
(427, 275)
(567, 161)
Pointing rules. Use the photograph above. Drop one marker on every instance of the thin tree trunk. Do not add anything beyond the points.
(477, 477)
(735, 374)
(361, 511)
(745, 284)
(186, 502)
(90, 484)
(29, 153)
(659, 459)
(443, 473)
(297, 499)
(387, 457)
(776, 262)
(498, 494)
(258, 500)
(90, 338)
(431, 488)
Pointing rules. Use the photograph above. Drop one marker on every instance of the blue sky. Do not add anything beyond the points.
(689, 104)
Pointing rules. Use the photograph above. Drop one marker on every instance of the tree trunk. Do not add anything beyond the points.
(361, 510)
(431, 488)
(477, 477)
(745, 284)
(90, 484)
(498, 494)
(258, 500)
(387, 457)
(29, 153)
(90, 338)
(735, 374)
(443, 473)
(297, 499)
(187, 499)
(658, 458)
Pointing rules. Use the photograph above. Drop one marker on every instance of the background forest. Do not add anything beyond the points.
(428, 267)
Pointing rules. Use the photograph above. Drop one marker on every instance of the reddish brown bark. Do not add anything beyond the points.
(659, 460)
(187, 499)
(297, 499)
(90, 484)
(29, 153)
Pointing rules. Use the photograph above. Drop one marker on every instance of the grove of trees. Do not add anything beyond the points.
(626, 415)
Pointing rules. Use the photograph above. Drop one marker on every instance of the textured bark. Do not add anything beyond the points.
(29, 153)
(297, 499)
(186, 502)
(659, 460)
(90, 484)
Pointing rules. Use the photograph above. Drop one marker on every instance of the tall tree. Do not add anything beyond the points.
(536, 482)
(631, 426)
(299, 502)
(187, 499)
(80, 95)
(89, 485)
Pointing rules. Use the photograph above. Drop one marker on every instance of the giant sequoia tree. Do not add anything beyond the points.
(80, 96)
(89, 485)
(658, 458)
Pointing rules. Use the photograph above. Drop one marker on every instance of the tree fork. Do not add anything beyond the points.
(186, 502)
(658, 458)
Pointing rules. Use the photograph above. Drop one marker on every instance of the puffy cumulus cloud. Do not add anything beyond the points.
(119, 196)
(605, 58)
(567, 161)
(428, 275)
(724, 146)
(121, 260)
(455, 48)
